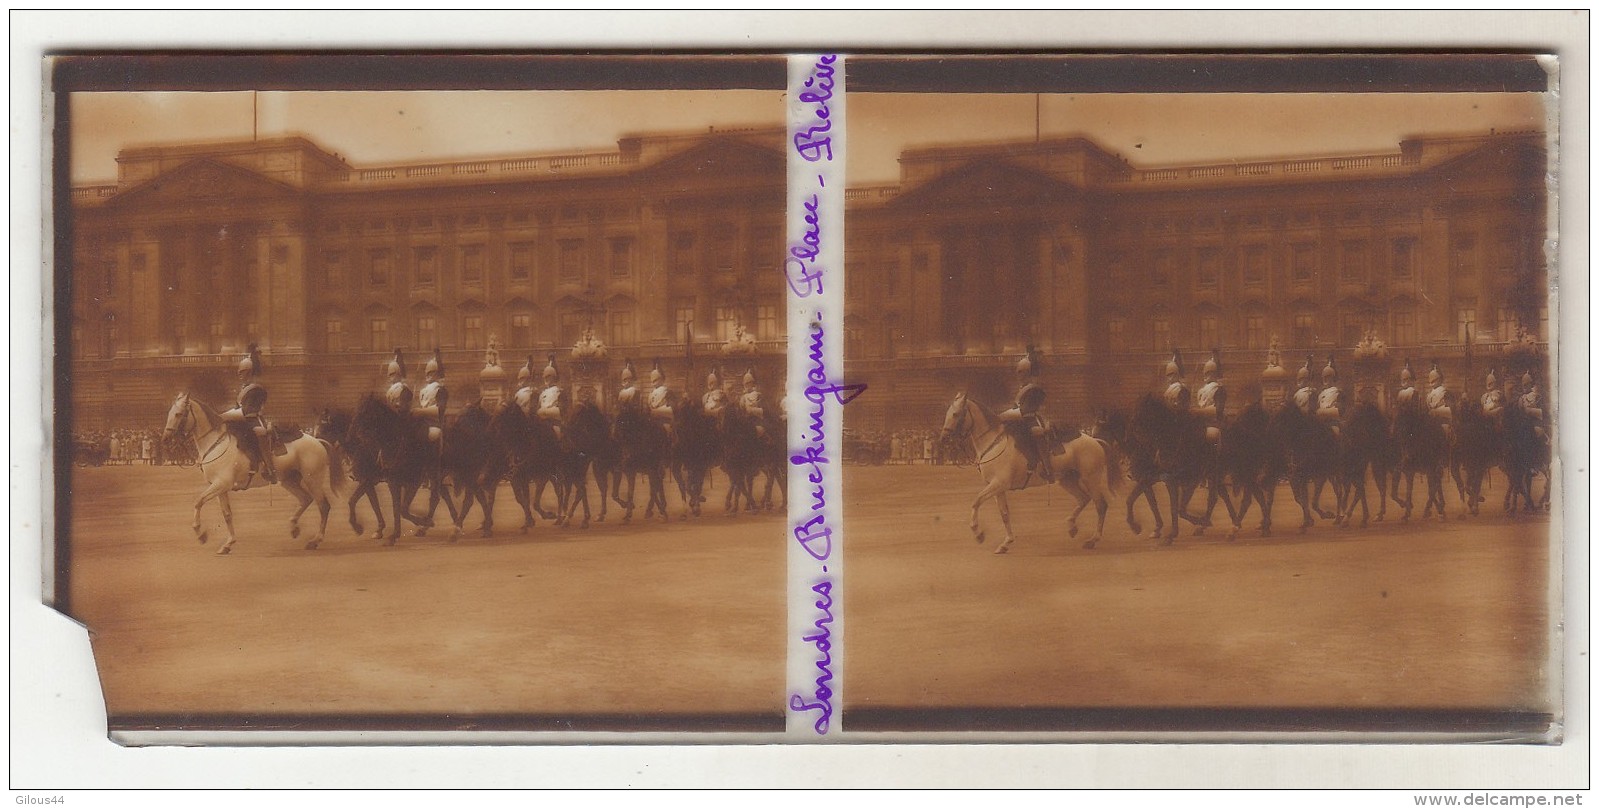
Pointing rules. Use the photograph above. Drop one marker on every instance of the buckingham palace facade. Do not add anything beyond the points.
(668, 246)
(1436, 248)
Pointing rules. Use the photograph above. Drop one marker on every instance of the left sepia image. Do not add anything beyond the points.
(423, 409)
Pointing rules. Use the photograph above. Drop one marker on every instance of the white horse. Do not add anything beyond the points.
(305, 471)
(1081, 469)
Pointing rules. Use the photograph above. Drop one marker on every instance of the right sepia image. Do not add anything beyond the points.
(1202, 412)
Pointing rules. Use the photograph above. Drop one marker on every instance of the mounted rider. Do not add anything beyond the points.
(1177, 395)
(434, 399)
(627, 396)
(1211, 403)
(1407, 386)
(715, 399)
(525, 395)
(552, 397)
(1330, 403)
(1305, 394)
(750, 403)
(1438, 400)
(660, 401)
(1493, 399)
(1025, 420)
(399, 395)
(1531, 403)
(252, 397)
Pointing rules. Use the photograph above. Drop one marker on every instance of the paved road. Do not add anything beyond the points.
(685, 617)
(1425, 615)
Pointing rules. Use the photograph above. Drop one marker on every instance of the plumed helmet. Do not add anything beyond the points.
(550, 373)
(250, 363)
(397, 365)
(1329, 373)
(712, 380)
(435, 366)
(1493, 378)
(1029, 364)
(749, 376)
(1406, 377)
(1213, 365)
(1174, 366)
(656, 377)
(627, 371)
(1435, 376)
(1526, 380)
(1303, 376)
(525, 373)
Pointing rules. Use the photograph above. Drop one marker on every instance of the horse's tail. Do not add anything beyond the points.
(340, 480)
(1113, 464)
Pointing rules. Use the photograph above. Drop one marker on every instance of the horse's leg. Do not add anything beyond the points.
(1174, 492)
(632, 483)
(212, 490)
(1078, 491)
(989, 490)
(1410, 492)
(297, 488)
(1004, 516)
(1300, 486)
(227, 518)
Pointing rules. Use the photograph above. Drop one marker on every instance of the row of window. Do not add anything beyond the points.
(1397, 327)
(614, 327)
(516, 263)
(520, 216)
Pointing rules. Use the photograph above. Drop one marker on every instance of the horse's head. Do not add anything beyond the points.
(957, 420)
(180, 419)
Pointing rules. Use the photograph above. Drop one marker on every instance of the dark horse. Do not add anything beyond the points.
(696, 449)
(1309, 456)
(531, 453)
(1139, 459)
(742, 456)
(1424, 450)
(643, 447)
(586, 448)
(774, 462)
(361, 464)
(1247, 456)
(405, 458)
(475, 461)
(1182, 455)
(1364, 445)
(1525, 454)
(1477, 449)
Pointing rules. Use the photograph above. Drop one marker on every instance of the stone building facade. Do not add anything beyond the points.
(1438, 248)
(664, 247)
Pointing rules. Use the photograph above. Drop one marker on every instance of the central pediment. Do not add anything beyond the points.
(986, 182)
(203, 184)
(720, 158)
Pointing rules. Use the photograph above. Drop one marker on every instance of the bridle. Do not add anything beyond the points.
(185, 427)
(963, 430)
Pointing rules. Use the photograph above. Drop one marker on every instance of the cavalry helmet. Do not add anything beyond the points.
(397, 365)
(525, 373)
(627, 371)
(1527, 381)
(435, 366)
(1406, 377)
(1493, 379)
(749, 376)
(712, 380)
(1435, 376)
(250, 363)
(1030, 363)
(1329, 374)
(656, 377)
(551, 375)
(1303, 377)
(1213, 365)
(1174, 366)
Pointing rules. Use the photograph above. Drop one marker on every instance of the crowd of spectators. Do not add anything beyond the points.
(903, 447)
(122, 448)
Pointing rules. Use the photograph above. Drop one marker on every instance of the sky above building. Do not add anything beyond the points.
(375, 128)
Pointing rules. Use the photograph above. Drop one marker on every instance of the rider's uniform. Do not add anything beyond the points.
(525, 395)
(251, 399)
(1330, 403)
(433, 400)
(1025, 420)
(1493, 401)
(1407, 387)
(715, 399)
(1305, 396)
(750, 403)
(552, 397)
(627, 397)
(1211, 400)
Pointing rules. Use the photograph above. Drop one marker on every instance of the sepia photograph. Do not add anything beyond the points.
(423, 409)
(1202, 411)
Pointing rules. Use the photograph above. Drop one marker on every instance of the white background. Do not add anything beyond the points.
(57, 721)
